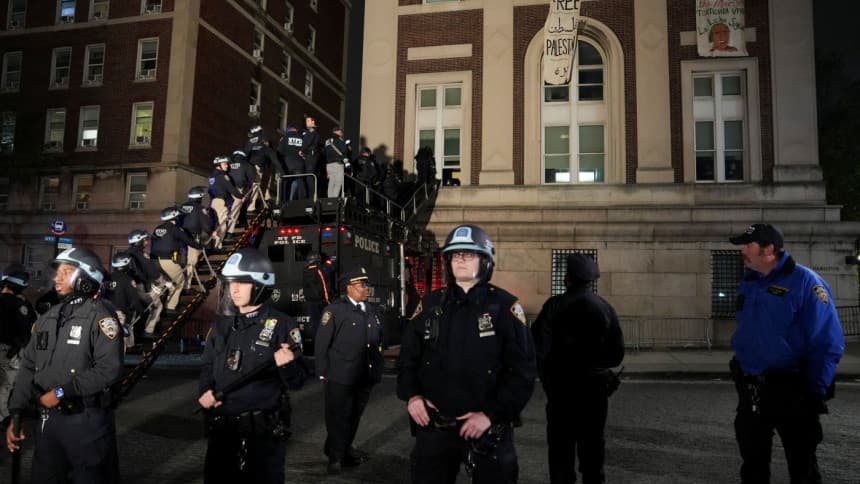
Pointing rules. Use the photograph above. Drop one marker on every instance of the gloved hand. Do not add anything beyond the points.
(168, 285)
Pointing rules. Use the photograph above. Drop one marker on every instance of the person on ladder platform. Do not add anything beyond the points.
(290, 149)
(221, 191)
(148, 279)
(243, 174)
(168, 242)
(198, 224)
(120, 291)
(337, 161)
(265, 161)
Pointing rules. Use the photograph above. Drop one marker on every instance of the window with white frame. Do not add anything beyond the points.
(574, 116)
(49, 192)
(94, 65)
(312, 39)
(309, 84)
(439, 119)
(254, 98)
(17, 15)
(11, 79)
(314, 4)
(141, 124)
(286, 64)
(147, 59)
(282, 115)
(289, 17)
(719, 116)
(66, 12)
(148, 7)
(88, 129)
(7, 132)
(37, 258)
(55, 129)
(99, 9)
(4, 193)
(61, 66)
(136, 190)
(259, 42)
(82, 191)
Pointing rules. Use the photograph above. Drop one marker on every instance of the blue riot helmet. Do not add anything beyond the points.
(250, 265)
(470, 238)
(89, 274)
(137, 237)
(121, 261)
(196, 193)
(170, 213)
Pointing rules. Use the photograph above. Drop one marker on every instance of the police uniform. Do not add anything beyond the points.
(467, 352)
(16, 319)
(337, 159)
(310, 148)
(787, 345)
(197, 223)
(145, 271)
(127, 302)
(167, 244)
(290, 148)
(76, 351)
(577, 339)
(318, 290)
(348, 356)
(246, 433)
(222, 191)
(241, 171)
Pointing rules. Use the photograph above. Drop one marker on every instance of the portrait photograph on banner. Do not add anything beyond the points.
(720, 28)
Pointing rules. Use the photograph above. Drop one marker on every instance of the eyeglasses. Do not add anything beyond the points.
(464, 256)
(362, 283)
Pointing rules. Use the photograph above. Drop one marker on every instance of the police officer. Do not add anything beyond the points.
(310, 150)
(243, 174)
(256, 351)
(223, 193)
(577, 340)
(265, 161)
(120, 291)
(348, 357)
(74, 355)
(787, 344)
(366, 169)
(467, 369)
(337, 160)
(146, 273)
(16, 318)
(168, 243)
(290, 149)
(197, 223)
(318, 288)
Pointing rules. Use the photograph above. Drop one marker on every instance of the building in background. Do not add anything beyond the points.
(649, 159)
(112, 110)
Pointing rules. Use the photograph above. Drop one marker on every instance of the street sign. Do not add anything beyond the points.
(58, 227)
(50, 238)
(64, 243)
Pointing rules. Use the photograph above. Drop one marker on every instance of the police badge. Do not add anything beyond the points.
(265, 336)
(485, 325)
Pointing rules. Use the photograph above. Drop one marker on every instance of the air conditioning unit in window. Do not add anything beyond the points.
(147, 74)
(253, 109)
(258, 54)
(67, 19)
(14, 24)
(95, 79)
(142, 140)
(311, 48)
(54, 145)
(11, 85)
(284, 76)
(288, 26)
(88, 142)
(99, 14)
(61, 82)
(153, 8)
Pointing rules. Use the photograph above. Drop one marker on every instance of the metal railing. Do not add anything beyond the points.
(686, 332)
(849, 316)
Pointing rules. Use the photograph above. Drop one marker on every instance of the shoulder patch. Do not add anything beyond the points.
(821, 293)
(296, 336)
(23, 310)
(418, 310)
(326, 317)
(109, 327)
(517, 311)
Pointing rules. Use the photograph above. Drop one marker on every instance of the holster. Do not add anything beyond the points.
(251, 424)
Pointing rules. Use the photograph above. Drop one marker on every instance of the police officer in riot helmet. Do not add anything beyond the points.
(466, 369)
(144, 270)
(290, 149)
(74, 355)
(577, 339)
(225, 199)
(16, 318)
(256, 351)
(120, 290)
(198, 224)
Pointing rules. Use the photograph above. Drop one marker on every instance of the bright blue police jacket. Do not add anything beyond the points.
(787, 319)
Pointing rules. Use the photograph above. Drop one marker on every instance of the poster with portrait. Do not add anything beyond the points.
(559, 34)
(720, 28)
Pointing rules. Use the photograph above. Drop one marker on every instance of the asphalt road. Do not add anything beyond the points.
(658, 432)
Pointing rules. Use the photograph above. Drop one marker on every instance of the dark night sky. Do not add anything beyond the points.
(837, 34)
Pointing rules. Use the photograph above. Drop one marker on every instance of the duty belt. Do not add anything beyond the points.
(73, 405)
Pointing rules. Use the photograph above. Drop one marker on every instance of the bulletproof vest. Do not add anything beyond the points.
(163, 244)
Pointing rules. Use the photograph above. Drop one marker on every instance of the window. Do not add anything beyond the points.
(427, 98)
(719, 105)
(254, 98)
(451, 157)
(314, 5)
(136, 189)
(83, 190)
(99, 9)
(94, 64)
(37, 258)
(559, 268)
(289, 16)
(55, 129)
(574, 117)
(66, 14)
(17, 16)
(4, 193)
(439, 125)
(141, 124)
(11, 81)
(7, 132)
(286, 64)
(61, 64)
(727, 269)
(309, 84)
(88, 130)
(282, 115)
(147, 59)
(452, 96)
(257, 44)
(49, 192)
(312, 39)
(148, 7)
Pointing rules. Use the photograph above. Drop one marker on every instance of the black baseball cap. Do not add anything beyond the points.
(762, 234)
(582, 267)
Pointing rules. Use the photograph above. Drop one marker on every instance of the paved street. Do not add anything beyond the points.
(659, 431)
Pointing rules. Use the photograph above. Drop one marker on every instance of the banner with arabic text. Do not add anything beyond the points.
(560, 33)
